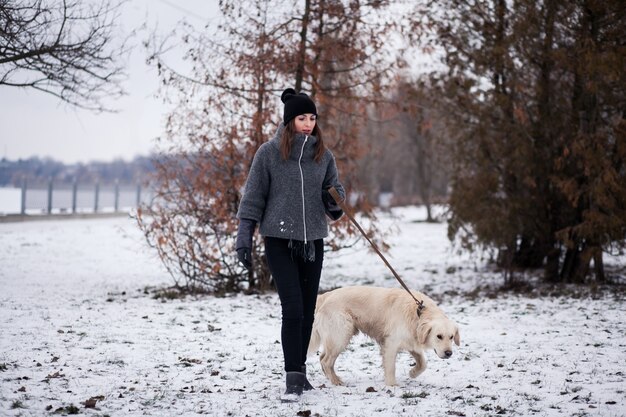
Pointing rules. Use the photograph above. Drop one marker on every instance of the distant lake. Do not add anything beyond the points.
(37, 199)
(10, 200)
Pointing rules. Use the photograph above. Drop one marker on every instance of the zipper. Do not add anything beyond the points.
(306, 137)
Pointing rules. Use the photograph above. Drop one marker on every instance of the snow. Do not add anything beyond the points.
(78, 321)
(10, 200)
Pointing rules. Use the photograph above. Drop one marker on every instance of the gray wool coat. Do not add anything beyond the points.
(285, 196)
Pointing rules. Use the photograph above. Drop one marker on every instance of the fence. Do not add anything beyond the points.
(79, 198)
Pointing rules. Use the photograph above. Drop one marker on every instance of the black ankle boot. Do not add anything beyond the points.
(295, 383)
(307, 384)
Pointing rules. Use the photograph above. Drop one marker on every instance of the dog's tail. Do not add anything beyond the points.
(316, 339)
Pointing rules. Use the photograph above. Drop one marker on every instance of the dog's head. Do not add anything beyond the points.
(439, 334)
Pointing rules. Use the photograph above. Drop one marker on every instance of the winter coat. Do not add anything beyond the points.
(285, 196)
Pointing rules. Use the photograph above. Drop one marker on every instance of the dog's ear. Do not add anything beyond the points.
(423, 330)
(457, 337)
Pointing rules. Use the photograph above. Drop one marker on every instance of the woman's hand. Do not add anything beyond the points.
(244, 242)
(332, 208)
(245, 257)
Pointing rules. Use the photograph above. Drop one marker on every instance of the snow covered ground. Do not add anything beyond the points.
(80, 332)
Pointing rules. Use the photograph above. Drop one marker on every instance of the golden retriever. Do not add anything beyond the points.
(387, 315)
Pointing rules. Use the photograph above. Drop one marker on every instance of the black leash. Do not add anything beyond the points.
(344, 207)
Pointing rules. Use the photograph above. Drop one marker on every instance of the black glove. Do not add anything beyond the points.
(329, 201)
(244, 242)
(245, 257)
(332, 208)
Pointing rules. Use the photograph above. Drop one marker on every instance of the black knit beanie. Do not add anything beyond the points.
(296, 104)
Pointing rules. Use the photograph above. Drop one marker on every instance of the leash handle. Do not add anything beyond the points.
(333, 192)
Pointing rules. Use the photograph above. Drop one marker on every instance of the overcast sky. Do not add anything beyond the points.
(33, 123)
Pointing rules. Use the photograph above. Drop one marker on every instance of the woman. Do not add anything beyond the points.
(286, 194)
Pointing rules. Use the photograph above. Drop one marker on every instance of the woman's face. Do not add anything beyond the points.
(305, 123)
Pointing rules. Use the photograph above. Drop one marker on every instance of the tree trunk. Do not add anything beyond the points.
(256, 276)
(316, 72)
(551, 272)
(424, 184)
(529, 254)
(499, 74)
(505, 261)
(302, 50)
(576, 264)
(582, 267)
(424, 174)
(586, 115)
(544, 132)
(429, 216)
(569, 264)
(598, 266)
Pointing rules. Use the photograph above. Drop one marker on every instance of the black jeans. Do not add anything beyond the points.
(297, 282)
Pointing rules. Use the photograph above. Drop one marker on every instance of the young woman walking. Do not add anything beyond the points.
(286, 193)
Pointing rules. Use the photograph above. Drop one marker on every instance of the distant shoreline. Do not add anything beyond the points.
(16, 218)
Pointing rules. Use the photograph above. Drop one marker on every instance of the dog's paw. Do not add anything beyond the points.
(337, 381)
(417, 371)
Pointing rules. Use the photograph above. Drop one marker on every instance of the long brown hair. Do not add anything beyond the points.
(286, 140)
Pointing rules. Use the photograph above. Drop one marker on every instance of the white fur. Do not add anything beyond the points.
(387, 315)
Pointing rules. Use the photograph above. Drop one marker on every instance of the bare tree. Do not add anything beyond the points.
(228, 105)
(408, 146)
(220, 119)
(64, 48)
